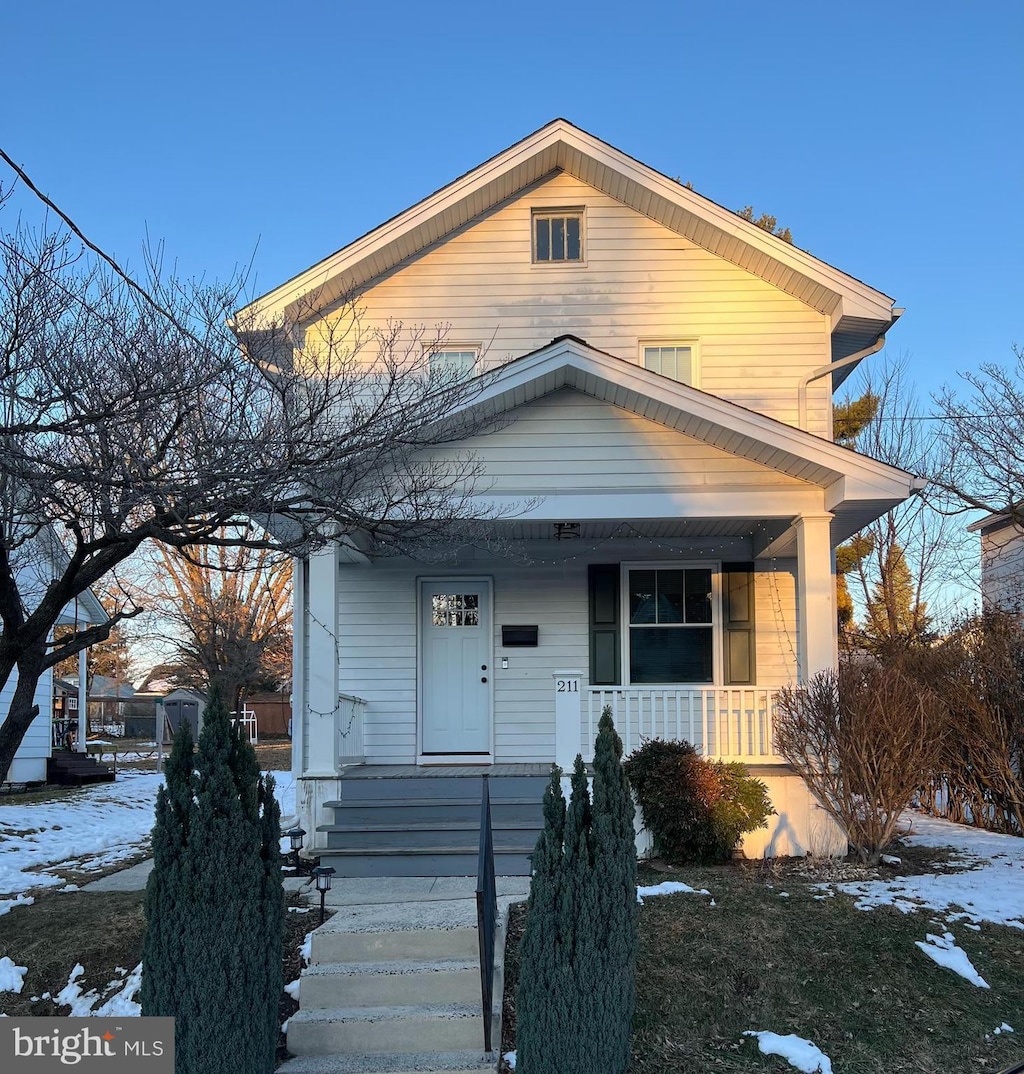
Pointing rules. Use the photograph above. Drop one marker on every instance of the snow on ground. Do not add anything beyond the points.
(668, 887)
(87, 830)
(990, 887)
(802, 1054)
(944, 951)
(13, 977)
(120, 995)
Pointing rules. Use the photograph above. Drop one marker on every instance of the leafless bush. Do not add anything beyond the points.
(978, 774)
(861, 738)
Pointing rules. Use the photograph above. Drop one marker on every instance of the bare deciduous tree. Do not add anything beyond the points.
(229, 609)
(131, 414)
(902, 568)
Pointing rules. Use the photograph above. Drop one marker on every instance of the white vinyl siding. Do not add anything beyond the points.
(567, 441)
(377, 636)
(641, 281)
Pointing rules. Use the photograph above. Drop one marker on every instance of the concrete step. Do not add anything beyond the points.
(458, 860)
(389, 810)
(425, 834)
(416, 931)
(403, 982)
(460, 1062)
(368, 1030)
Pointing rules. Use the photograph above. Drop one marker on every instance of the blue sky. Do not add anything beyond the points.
(887, 136)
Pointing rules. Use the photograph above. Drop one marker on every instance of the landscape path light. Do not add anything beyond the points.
(322, 875)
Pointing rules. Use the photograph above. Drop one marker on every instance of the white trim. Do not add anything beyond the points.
(460, 758)
(428, 760)
(716, 624)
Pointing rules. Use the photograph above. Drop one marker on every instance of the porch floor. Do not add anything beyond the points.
(414, 771)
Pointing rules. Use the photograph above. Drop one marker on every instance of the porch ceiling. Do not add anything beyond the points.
(655, 528)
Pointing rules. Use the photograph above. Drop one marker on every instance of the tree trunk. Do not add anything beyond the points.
(22, 712)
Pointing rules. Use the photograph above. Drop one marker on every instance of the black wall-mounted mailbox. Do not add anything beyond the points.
(518, 636)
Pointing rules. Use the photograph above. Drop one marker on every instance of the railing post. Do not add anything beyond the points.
(568, 718)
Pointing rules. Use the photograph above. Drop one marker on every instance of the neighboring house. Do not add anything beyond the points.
(108, 701)
(1002, 560)
(30, 760)
(664, 370)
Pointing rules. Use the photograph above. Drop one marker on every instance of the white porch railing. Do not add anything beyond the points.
(348, 730)
(732, 723)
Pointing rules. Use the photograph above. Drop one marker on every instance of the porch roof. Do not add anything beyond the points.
(857, 489)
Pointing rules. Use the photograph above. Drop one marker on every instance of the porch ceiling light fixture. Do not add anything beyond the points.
(322, 875)
(567, 531)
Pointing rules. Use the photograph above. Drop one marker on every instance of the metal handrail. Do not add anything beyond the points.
(486, 912)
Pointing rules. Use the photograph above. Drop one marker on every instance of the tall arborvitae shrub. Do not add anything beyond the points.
(614, 852)
(574, 1006)
(212, 956)
(541, 993)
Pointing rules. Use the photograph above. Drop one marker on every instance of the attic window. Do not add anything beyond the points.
(557, 236)
(676, 359)
(452, 362)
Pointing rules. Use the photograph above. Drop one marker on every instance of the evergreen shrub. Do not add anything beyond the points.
(574, 1005)
(212, 954)
(695, 809)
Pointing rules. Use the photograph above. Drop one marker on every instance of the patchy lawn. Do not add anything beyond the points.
(771, 950)
(102, 932)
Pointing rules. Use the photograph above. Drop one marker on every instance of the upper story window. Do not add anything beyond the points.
(456, 362)
(557, 236)
(677, 359)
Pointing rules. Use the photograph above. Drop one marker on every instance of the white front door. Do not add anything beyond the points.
(455, 666)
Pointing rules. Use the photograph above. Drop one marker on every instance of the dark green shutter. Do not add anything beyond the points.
(739, 624)
(604, 624)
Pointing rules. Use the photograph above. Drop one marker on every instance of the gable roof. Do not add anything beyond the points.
(858, 489)
(859, 313)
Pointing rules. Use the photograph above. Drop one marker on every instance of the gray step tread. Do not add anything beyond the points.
(466, 1062)
(372, 803)
(391, 968)
(385, 852)
(432, 826)
(446, 1011)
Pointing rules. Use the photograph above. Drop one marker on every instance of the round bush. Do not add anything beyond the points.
(696, 810)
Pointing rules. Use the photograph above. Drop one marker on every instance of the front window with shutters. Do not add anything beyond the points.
(671, 623)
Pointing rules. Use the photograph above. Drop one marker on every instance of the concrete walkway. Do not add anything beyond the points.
(375, 891)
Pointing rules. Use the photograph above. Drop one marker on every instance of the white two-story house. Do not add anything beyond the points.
(664, 373)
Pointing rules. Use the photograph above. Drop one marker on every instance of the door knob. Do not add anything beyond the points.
(483, 667)
(483, 678)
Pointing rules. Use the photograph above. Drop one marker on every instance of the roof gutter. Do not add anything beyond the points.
(824, 370)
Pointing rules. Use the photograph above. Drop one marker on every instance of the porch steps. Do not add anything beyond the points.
(395, 988)
(68, 768)
(394, 822)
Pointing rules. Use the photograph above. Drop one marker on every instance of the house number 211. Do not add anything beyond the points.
(567, 686)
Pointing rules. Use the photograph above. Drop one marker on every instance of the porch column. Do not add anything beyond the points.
(568, 740)
(816, 596)
(83, 698)
(319, 711)
(300, 630)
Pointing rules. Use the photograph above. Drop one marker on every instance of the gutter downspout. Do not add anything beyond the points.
(824, 370)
